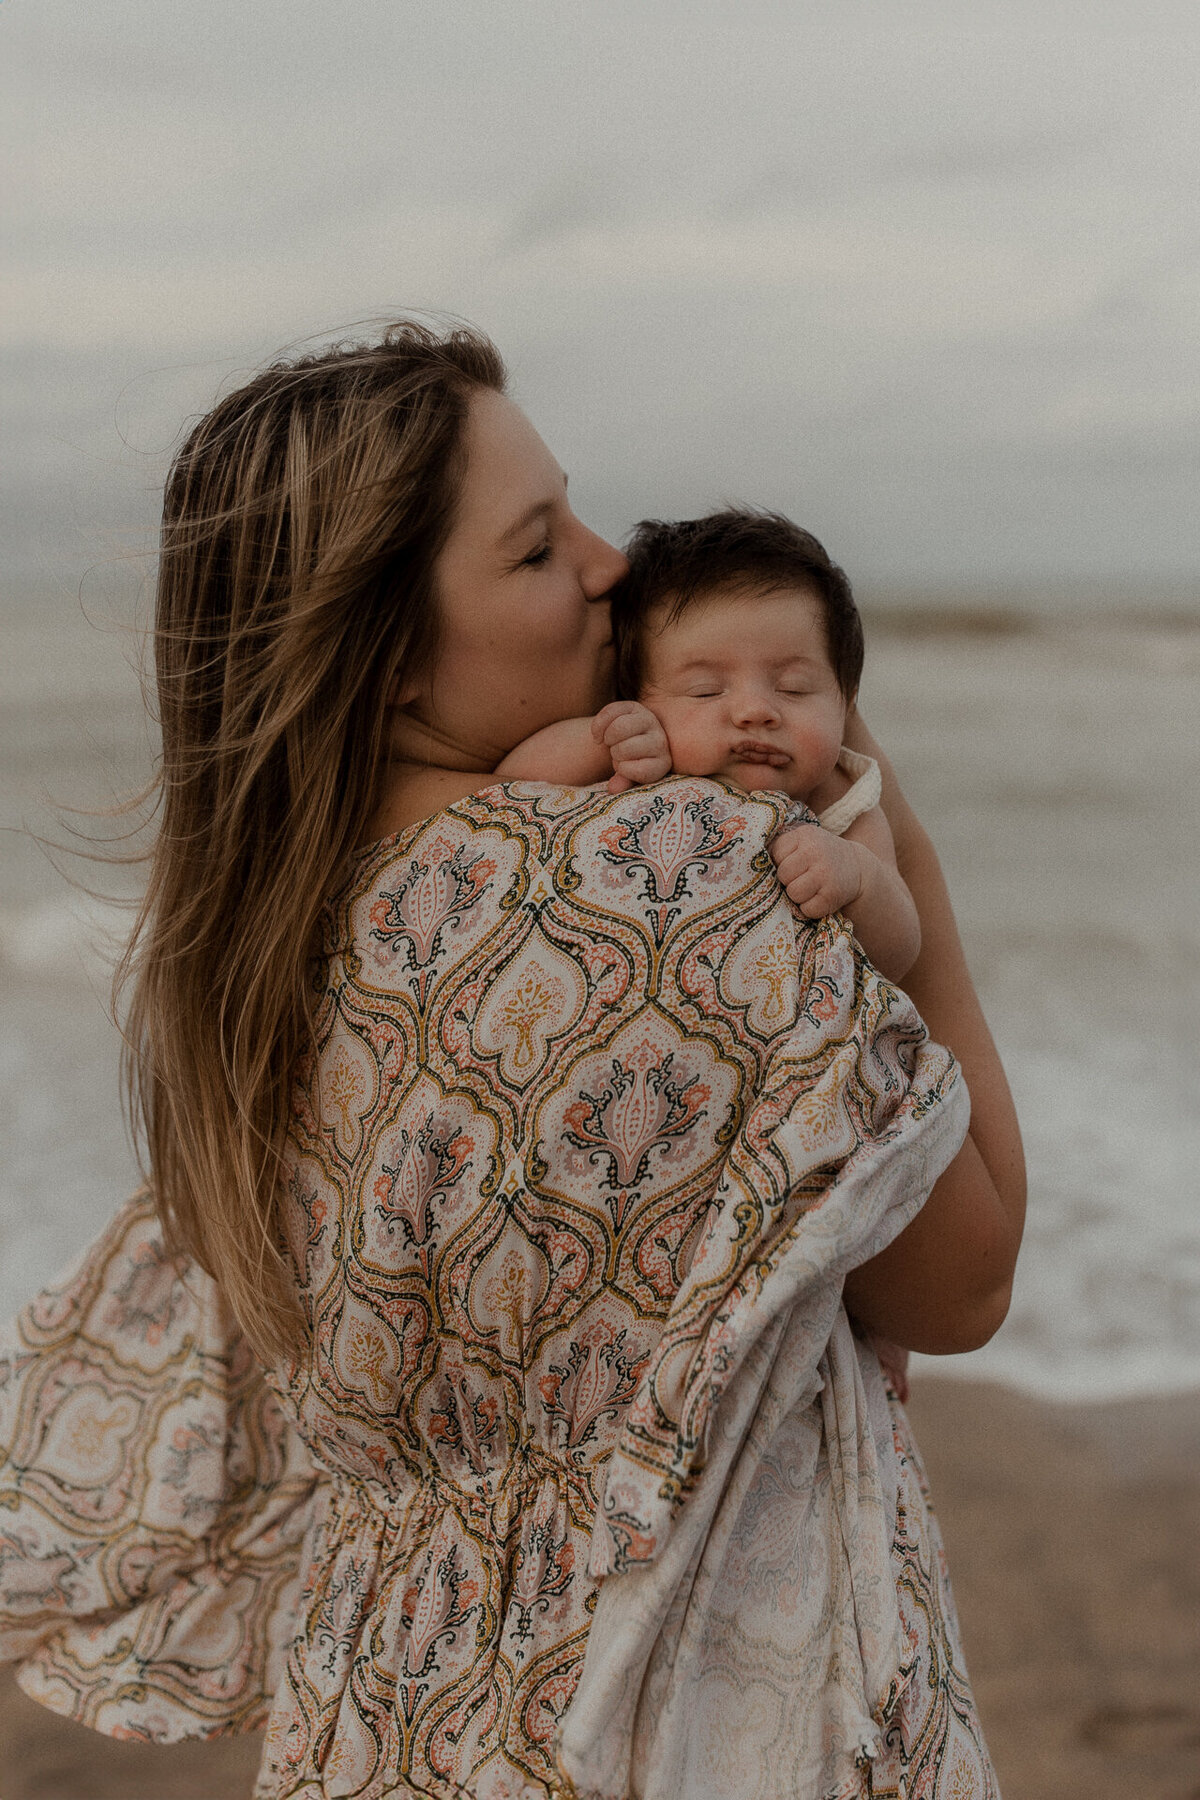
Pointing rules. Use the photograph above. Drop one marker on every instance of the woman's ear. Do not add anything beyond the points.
(401, 692)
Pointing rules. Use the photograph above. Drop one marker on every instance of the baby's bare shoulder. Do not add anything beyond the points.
(835, 784)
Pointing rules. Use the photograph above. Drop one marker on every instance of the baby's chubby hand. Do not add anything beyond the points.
(636, 742)
(822, 873)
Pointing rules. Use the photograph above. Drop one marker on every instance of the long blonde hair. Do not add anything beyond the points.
(301, 522)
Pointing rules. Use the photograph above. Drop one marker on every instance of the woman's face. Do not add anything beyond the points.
(524, 634)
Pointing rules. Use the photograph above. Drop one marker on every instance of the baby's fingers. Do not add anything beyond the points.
(815, 902)
(643, 768)
(801, 888)
(804, 840)
(642, 745)
(610, 716)
(796, 865)
(807, 886)
(622, 719)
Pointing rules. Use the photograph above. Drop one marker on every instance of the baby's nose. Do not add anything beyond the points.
(754, 706)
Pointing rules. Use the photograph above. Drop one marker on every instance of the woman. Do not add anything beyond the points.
(527, 1142)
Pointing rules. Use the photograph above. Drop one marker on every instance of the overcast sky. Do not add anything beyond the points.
(930, 285)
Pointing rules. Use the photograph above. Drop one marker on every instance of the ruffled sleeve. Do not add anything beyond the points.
(154, 1499)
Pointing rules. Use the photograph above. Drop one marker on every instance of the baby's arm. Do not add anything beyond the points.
(624, 741)
(565, 752)
(855, 874)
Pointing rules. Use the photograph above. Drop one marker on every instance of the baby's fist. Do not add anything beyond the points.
(821, 873)
(636, 742)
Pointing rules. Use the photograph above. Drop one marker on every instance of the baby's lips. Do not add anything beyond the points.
(749, 750)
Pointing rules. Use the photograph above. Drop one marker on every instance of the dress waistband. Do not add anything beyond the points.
(489, 1504)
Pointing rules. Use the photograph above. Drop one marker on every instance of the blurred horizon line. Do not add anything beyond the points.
(107, 594)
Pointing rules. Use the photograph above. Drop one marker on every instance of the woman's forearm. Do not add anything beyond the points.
(944, 1285)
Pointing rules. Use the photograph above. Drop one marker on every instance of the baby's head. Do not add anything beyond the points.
(742, 636)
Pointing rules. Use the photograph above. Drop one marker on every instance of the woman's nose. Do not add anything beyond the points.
(603, 566)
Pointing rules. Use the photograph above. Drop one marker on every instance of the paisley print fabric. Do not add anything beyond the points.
(590, 1132)
(153, 1500)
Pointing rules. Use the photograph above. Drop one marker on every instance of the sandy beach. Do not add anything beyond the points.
(1072, 1534)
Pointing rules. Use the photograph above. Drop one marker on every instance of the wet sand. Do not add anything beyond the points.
(1072, 1533)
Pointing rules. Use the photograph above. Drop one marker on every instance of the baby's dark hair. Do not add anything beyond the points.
(679, 564)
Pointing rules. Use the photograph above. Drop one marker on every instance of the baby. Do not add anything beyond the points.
(741, 641)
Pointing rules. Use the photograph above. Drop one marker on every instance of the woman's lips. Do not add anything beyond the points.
(750, 750)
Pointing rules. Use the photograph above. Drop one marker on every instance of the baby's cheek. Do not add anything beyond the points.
(693, 750)
(821, 745)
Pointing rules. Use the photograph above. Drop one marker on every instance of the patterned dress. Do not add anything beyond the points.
(582, 1483)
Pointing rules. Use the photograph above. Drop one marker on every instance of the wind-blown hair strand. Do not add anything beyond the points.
(302, 520)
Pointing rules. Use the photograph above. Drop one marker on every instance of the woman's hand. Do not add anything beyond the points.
(944, 1285)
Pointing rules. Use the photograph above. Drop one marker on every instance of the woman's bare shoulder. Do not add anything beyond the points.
(412, 795)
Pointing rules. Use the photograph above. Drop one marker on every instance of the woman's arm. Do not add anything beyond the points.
(944, 1285)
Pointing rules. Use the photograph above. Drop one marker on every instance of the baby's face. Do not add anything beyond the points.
(744, 689)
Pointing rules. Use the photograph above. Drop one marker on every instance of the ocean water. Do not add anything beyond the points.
(1057, 765)
(1059, 773)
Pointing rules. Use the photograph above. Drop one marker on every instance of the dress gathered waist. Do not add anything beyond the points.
(493, 1506)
